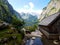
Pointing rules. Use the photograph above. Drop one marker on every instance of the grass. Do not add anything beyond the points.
(4, 34)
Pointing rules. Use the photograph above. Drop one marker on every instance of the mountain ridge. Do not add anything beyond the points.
(29, 19)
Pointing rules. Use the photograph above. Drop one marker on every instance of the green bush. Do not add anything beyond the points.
(17, 23)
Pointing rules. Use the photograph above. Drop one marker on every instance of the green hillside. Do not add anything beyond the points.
(10, 25)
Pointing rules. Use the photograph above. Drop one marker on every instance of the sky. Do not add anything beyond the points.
(29, 5)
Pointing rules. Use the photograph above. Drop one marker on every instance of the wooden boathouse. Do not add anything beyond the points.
(50, 27)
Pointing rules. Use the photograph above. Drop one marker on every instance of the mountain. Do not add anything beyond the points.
(7, 12)
(52, 7)
(29, 19)
(10, 25)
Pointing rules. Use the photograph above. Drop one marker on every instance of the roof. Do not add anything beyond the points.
(49, 19)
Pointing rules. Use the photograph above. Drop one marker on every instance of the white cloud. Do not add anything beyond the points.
(31, 5)
(26, 6)
(29, 9)
(25, 17)
(37, 12)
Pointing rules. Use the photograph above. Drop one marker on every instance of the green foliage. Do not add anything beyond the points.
(31, 28)
(46, 15)
(52, 8)
(7, 16)
(17, 23)
(44, 8)
(59, 10)
(8, 34)
(57, 0)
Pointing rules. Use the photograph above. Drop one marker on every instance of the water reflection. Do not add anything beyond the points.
(36, 41)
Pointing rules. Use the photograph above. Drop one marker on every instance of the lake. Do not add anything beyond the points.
(36, 41)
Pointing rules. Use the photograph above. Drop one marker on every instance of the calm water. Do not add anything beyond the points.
(36, 41)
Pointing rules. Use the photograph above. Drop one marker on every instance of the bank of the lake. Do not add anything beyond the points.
(35, 39)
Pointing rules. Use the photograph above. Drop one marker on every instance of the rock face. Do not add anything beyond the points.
(52, 7)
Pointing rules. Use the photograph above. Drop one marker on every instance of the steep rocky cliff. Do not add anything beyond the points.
(52, 7)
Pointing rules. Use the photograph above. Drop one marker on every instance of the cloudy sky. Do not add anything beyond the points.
(29, 5)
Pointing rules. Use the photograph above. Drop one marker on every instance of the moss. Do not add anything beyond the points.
(57, 0)
(59, 10)
(52, 8)
(46, 15)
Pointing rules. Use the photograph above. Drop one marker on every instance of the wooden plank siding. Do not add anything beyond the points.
(50, 26)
